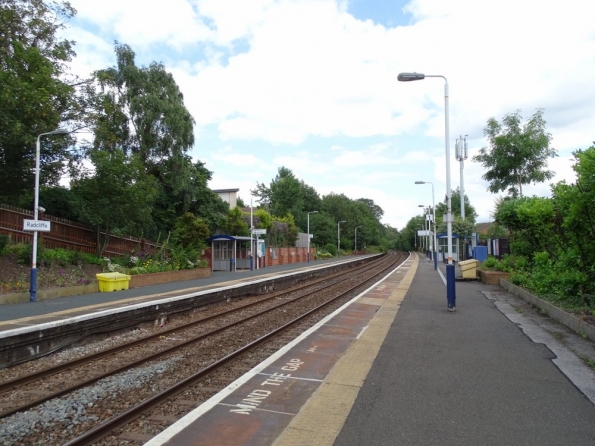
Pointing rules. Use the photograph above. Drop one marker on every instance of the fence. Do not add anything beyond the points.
(66, 234)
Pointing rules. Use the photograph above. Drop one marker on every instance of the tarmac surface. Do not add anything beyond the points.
(467, 378)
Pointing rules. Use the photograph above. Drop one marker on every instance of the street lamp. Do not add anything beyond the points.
(33, 282)
(339, 238)
(434, 218)
(356, 238)
(311, 212)
(450, 268)
(427, 239)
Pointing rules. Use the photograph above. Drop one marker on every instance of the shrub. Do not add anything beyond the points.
(330, 248)
(3, 243)
(321, 255)
(22, 251)
(489, 263)
(60, 256)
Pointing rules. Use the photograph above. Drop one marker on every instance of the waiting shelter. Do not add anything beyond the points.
(232, 252)
(443, 247)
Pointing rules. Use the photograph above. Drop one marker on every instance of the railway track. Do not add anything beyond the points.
(208, 344)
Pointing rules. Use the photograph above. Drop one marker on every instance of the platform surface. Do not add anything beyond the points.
(396, 368)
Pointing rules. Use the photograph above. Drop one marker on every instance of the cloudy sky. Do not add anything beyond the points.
(312, 85)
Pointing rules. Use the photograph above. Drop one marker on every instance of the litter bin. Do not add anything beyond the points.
(112, 281)
(469, 268)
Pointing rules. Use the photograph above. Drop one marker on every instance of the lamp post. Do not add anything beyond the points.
(356, 239)
(433, 218)
(33, 281)
(339, 238)
(425, 224)
(311, 212)
(450, 268)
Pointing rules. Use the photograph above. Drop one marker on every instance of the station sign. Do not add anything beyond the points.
(259, 231)
(36, 225)
(424, 233)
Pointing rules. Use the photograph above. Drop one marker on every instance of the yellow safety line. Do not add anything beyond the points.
(319, 422)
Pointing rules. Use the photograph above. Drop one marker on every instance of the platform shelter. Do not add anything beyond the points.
(443, 247)
(232, 252)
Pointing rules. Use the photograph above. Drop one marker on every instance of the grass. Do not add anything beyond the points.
(588, 361)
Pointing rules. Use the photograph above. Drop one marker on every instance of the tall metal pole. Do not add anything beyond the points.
(450, 268)
(461, 155)
(33, 279)
(355, 246)
(339, 238)
(311, 212)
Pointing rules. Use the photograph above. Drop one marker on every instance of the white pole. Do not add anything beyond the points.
(33, 281)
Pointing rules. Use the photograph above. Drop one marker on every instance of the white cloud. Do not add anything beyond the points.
(296, 73)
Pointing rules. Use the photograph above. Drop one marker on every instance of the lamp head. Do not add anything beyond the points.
(313, 212)
(420, 182)
(408, 77)
(59, 132)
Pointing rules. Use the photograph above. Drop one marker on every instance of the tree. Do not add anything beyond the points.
(234, 223)
(190, 232)
(517, 154)
(455, 203)
(116, 197)
(34, 97)
(140, 112)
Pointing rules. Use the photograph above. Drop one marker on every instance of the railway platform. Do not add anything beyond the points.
(31, 313)
(394, 367)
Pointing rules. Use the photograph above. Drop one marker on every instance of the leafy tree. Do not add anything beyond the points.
(34, 97)
(323, 228)
(531, 223)
(59, 202)
(575, 212)
(235, 224)
(263, 219)
(283, 232)
(517, 154)
(455, 202)
(140, 112)
(190, 231)
(117, 197)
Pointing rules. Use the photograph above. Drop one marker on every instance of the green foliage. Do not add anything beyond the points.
(496, 230)
(517, 154)
(117, 195)
(22, 251)
(531, 224)
(190, 232)
(264, 219)
(330, 248)
(234, 223)
(59, 202)
(490, 263)
(283, 232)
(3, 243)
(33, 97)
(58, 256)
(322, 255)
(455, 204)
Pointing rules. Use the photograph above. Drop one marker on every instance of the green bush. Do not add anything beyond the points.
(489, 263)
(321, 255)
(60, 256)
(3, 243)
(330, 248)
(22, 251)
